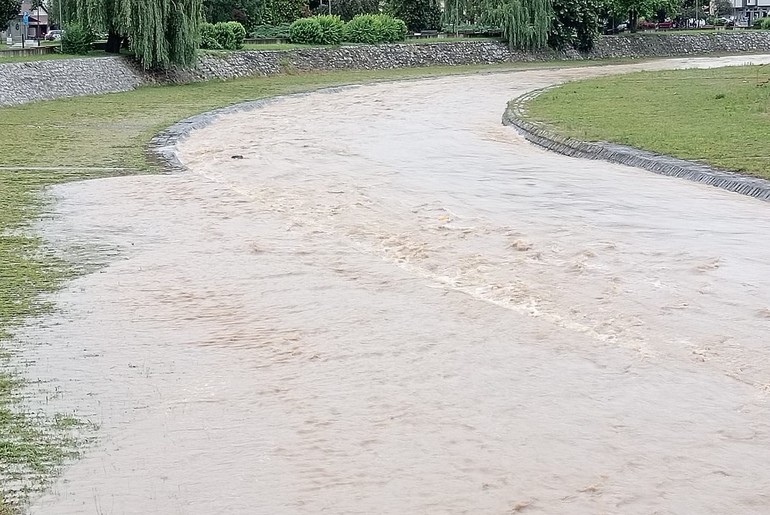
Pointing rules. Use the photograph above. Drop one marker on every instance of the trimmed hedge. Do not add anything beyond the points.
(374, 29)
(305, 31)
(332, 29)
(318, 30)
(208, 37)
(271, 31)
(222, 36)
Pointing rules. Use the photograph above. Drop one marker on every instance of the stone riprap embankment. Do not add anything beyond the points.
(231, 65)
(227, 65)
(678, 45)
(25, 82)
(39, 80)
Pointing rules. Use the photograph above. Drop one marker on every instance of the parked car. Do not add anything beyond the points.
(609, 27)
(53, 35)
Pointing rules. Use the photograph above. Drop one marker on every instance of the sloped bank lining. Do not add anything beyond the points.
(32, 81)
(540, 134)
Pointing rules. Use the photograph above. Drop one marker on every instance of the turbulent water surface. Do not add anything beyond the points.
(393, 304)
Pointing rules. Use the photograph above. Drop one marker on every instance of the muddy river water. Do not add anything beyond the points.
(393, 304)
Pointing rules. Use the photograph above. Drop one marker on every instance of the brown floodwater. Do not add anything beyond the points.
(393, 304)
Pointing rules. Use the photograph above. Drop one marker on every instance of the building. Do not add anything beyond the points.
(38, 23)
(750, 10)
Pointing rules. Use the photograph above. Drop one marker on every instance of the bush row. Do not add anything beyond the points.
(225, 35)
(271, 31)
(762, 23)
(331, 30)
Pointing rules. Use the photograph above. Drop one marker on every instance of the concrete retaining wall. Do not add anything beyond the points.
(39, 80)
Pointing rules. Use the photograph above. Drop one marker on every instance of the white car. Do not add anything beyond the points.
(53, 35)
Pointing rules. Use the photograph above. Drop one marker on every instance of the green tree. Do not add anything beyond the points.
(9, 9)
(525, 23)
(246, 12)
(459, 12)
(160, 32)
(346, 9)
(633, 10)
(275, 12)
(722, 7)
(418, 15)
(575, 23)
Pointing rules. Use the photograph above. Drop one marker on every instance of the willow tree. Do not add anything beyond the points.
(9, 9)
(159, 32)
(525, 23)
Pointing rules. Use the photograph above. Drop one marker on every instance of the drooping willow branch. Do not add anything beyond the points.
(160, 32)
(525, 23)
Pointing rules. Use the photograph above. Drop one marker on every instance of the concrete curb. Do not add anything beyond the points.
(516, 116)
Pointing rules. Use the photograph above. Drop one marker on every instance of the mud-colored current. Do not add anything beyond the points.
(393, 304)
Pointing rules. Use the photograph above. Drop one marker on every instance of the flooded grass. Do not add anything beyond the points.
(718, 116)
(32, 444)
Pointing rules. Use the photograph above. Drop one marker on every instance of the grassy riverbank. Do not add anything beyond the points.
(108, 135)
(718, 116)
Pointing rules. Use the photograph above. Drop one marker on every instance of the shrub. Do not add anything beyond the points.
(271, 31)
(395, 30)
(764, 23)
(239, 31)
(332, 28)
(76, 39)
(209, 37)
(305, 31)
(375, 28)
(363, 29)
(222, 36)
(229, 34)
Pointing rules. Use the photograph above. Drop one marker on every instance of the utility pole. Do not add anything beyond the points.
(457, 18)
(61, 28)
(697, 15)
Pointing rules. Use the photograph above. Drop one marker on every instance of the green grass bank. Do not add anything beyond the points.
(718, 116)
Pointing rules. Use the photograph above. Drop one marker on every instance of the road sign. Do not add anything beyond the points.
(25, 18)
